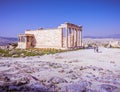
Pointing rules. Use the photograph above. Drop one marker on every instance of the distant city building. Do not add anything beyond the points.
(66, 36)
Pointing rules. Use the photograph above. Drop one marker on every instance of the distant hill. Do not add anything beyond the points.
(114, 36)
(93, 37)
(7, 40)
(117, 36)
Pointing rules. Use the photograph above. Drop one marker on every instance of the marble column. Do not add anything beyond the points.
(67, 38)
(73, 38)
(25, 38)
(76, 38)
(62, 38)
(80, 38)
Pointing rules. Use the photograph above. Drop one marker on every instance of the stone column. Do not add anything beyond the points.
(67, 38)
(76, 38)
(25, 38)
(73, 38)
(62, 37)
(80, 37)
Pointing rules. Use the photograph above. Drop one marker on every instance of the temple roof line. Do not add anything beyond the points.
(66, 24)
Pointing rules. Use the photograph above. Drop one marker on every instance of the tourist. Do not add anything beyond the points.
(96, 48)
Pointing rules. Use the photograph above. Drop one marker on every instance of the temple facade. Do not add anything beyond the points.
(66, 36)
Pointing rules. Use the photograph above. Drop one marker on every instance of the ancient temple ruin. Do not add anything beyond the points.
(66, 36)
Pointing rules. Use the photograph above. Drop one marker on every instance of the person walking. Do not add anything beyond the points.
(95, 48)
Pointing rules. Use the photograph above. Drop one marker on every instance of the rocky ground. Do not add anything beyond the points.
(72, 71)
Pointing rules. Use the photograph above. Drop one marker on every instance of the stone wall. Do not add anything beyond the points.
(21, 45)
(50, 38)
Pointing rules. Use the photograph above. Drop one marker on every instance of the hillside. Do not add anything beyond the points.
(7, 40)
(116, 36)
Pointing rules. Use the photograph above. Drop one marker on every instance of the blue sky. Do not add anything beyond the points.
(98, 17)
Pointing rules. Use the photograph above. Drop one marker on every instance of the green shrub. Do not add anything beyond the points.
(29, 52)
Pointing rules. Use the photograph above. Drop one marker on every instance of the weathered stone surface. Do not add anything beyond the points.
(22, 81)
(22, 55)
(77, 87)
(57, 80)
(115, 44)
(15, 55)
(106, 88)
(12, 52)
(96, 73)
